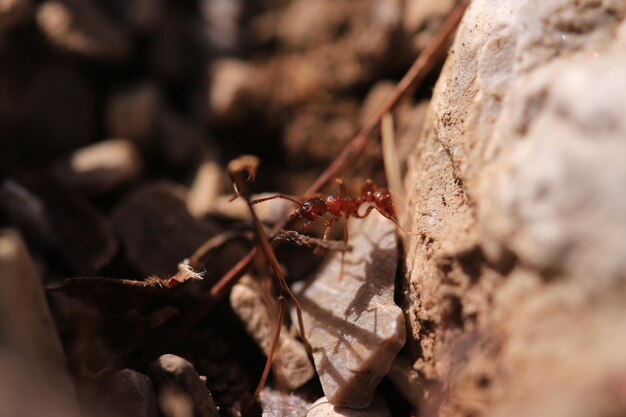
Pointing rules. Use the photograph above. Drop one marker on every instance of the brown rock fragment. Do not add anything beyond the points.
(157, 230)
(81, 233)
(132, 394)
(35, 380)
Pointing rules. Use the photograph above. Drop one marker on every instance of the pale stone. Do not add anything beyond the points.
(232, 82)
(350, 320)
(291, 363)
(515, 289)
(101, 167)
(280, 404)
(324, 408)
(205, 188)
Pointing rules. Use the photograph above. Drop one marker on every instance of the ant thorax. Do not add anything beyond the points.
(341, 205)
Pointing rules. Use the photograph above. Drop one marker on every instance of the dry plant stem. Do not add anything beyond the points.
(267, 249)
(409, 83)
(291, 236)
(392, 166)
(236, 171)
(195, 260)
(270, 356)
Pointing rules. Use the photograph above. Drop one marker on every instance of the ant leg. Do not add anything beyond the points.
(387, 215)
(342, 187)
(369, 186)
(284, 197)
(367, 212)
(343, 253)
(329, 224)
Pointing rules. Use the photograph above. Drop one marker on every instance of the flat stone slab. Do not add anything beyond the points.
(350, 319)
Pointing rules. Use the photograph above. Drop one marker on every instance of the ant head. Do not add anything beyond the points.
(313, 208)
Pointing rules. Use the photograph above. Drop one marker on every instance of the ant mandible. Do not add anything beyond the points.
(342, 205)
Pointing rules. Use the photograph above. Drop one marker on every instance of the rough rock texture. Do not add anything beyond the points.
(280, 404)
(323, 408)
(350, 320)
(291, 363)
(516, 281)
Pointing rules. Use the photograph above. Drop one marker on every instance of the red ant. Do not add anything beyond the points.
(341, 205)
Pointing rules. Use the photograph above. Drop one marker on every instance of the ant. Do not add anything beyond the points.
(342, 205)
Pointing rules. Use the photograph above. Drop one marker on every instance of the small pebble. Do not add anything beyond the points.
(291, 366)
(178, 386)
(324, 408)
(205, 188)
(101, 167)
(351, 320)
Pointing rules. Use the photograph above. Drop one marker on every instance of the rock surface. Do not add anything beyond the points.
(180, 390)
(516, 269)
(351, 321)
(279, 404)
(35, 379)
(132, 394)
(291, 364)
(323, 408)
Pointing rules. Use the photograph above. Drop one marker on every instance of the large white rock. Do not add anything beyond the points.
(517, 289)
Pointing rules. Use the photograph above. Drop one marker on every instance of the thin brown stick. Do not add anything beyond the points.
(291, 236)
(236, 170)
(270, 356)
(195, 260)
